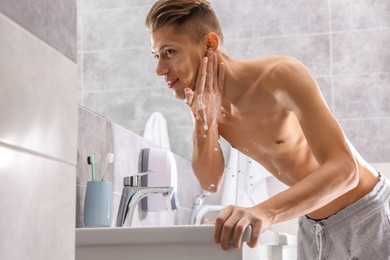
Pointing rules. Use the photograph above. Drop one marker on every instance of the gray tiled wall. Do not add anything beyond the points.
(344, 43)
(54, 22)
(98, 136)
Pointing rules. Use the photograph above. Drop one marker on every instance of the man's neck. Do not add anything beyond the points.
(236, 77)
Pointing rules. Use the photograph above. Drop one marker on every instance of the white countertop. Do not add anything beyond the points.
(202, 234)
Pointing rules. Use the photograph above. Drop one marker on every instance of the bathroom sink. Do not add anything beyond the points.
(170, 242)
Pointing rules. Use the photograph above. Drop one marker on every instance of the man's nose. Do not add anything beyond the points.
(161, 68)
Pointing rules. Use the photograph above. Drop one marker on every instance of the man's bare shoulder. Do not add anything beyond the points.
(277, 65)
(287, 80)
(272, 75)
(273, 62)
(283, 72)
(268, 68)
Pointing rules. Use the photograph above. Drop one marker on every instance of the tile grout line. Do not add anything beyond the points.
(115, 50)
(123, 89)
(246, 39)
(8, 145)
(81, 64)
(306, 34)
(364, 118)
(331, 56)
(362, 74)
(155, 87)
(114, 9)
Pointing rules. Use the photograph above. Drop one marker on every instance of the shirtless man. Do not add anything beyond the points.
(270, 109)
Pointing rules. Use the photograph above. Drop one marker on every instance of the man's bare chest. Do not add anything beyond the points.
(265, 130)
(274, 140)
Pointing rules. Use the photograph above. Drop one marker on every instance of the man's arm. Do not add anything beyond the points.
(207, 158)
(205, 101)
(292, 85)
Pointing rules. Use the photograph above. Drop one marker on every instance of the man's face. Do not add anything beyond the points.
(177, 57)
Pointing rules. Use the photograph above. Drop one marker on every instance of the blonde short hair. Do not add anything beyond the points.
(192, 17)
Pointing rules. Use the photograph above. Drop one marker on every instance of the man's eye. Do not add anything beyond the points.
(169, 52)
(155, 56)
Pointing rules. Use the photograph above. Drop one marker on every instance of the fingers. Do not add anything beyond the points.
(219, 223)
(210, 71)
(201, 77)
(189, 96)
(239, 229)
(215, 73)
(211, 75)
(221, 77)
(230, 226)
(256, 230)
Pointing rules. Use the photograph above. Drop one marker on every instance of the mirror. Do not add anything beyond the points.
(116, 71)
(117, 78)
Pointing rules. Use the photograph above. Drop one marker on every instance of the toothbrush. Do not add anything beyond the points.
(91, 161)
(109, 159)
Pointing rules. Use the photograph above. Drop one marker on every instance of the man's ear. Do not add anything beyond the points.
(212, 41)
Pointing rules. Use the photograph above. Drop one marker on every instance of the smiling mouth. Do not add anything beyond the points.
(172, 83)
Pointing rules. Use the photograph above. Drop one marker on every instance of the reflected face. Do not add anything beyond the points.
(177, 58)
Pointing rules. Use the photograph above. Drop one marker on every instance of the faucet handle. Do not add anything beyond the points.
(131, 181)
(198, 200)
(135, 180)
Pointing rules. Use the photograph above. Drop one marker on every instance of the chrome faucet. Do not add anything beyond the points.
(199, 209)
(132, 193)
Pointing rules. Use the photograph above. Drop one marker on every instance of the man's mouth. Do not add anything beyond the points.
(172, 83)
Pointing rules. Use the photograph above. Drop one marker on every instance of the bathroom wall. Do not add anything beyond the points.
(99, 136)
(38, 133)
(342, 42)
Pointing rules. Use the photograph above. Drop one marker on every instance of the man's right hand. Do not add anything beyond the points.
(206, 99)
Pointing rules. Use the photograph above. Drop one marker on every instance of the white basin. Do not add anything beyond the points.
(171, 242)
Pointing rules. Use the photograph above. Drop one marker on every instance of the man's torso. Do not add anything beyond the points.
(260, 126)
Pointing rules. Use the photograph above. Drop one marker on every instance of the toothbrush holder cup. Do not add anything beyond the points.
(98, 204)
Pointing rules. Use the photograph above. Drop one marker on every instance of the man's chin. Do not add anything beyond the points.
(178, 95)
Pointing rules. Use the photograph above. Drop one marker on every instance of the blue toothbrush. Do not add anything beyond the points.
(91, 161)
